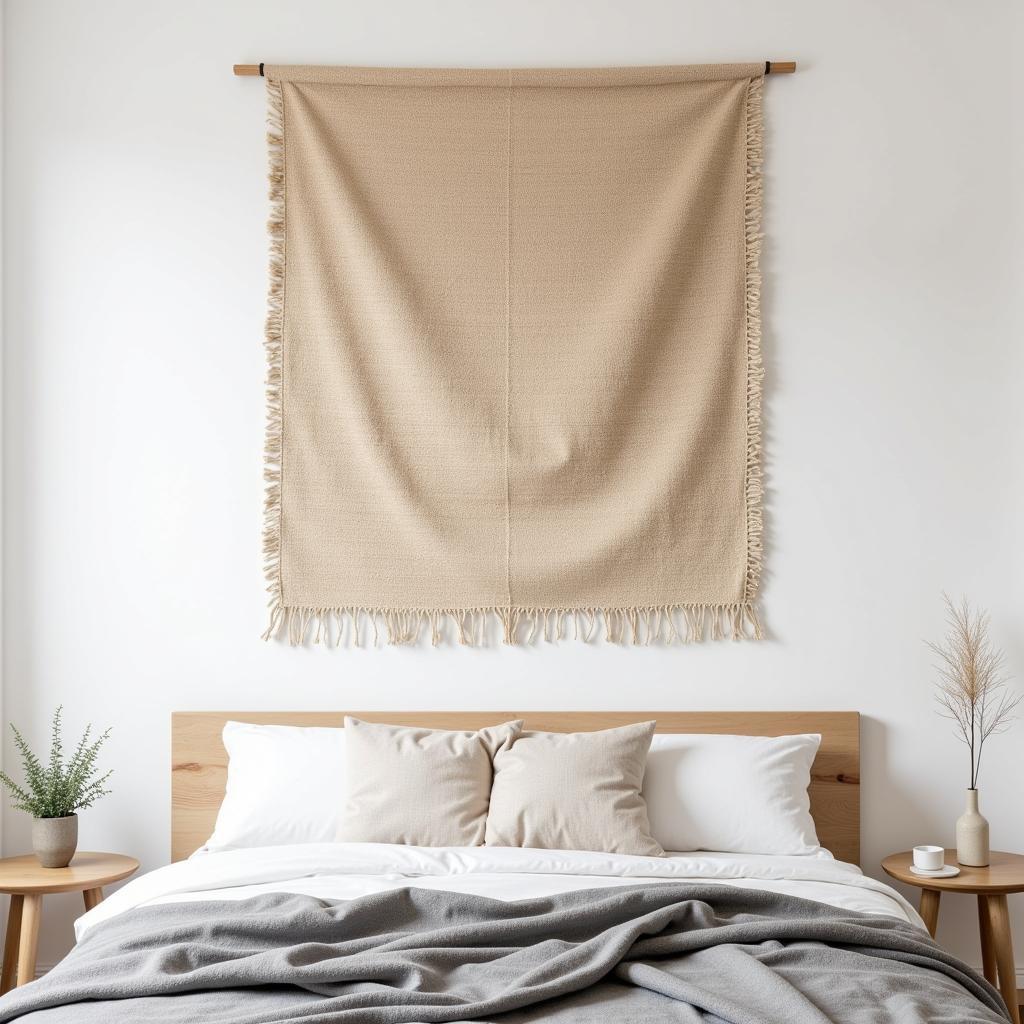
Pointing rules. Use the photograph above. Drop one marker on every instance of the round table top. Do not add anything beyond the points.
(24, 875)
(1004, 874)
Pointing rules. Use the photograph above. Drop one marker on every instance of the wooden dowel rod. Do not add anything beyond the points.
(771, 67)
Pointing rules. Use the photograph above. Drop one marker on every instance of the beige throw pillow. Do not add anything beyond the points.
(421, 787)
(573, 791)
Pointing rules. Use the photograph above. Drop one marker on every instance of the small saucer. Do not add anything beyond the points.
(946, 871)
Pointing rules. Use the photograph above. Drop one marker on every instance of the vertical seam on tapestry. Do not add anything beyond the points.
(746, 344)
(508, 342)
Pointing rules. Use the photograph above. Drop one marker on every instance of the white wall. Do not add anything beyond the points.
(133, 403)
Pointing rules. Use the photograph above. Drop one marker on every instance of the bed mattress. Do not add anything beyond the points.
(350, 870)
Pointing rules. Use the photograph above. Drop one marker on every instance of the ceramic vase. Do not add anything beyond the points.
(54, 840)
(972, 834)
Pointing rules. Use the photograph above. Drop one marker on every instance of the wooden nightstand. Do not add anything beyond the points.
(28, 881)
(1004, 875)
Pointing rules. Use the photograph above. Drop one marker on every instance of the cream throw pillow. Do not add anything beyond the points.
(573, 791)
(421, 787)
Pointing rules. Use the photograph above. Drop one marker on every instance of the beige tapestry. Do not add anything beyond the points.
(514, 353)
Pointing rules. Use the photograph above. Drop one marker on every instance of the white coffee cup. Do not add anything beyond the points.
(928, 858)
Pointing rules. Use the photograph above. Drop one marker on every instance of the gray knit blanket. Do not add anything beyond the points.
(653, 954)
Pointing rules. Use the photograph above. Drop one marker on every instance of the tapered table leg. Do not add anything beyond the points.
(988, 955)
(12, 942)
(92, 897)
(30, 913)
(1002, 944)
(929, 909)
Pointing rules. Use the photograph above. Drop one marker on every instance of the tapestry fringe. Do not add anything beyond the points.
(273, 344)
(754, 484)
(653, 624)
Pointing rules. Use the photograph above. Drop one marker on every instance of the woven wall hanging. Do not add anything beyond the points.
(514, 365)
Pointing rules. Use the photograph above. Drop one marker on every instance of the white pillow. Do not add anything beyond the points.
(285, 785)
(734, 794)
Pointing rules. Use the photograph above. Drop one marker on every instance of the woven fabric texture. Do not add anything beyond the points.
(514, 347)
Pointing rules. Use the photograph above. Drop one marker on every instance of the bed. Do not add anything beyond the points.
(390, 933)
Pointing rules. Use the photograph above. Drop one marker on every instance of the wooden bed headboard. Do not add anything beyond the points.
(199, 762)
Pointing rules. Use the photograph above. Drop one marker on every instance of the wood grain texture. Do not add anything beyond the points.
(26, 875)
(1002, 943)
(988, 953)
(929, 909)
(773, 67)
(199, 762)
(31, 909)
(12, 944)
(1003, 874)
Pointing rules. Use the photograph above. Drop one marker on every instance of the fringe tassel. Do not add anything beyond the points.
(653, 624)
(281, 619)
(754, 485)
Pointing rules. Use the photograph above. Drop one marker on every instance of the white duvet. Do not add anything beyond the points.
(350, 870)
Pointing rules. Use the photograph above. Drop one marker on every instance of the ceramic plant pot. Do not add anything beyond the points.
(972, 834)
(54, 840)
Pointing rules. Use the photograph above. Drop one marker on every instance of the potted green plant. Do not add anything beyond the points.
(55, 791)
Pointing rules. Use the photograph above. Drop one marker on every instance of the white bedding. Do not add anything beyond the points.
(349, 870)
